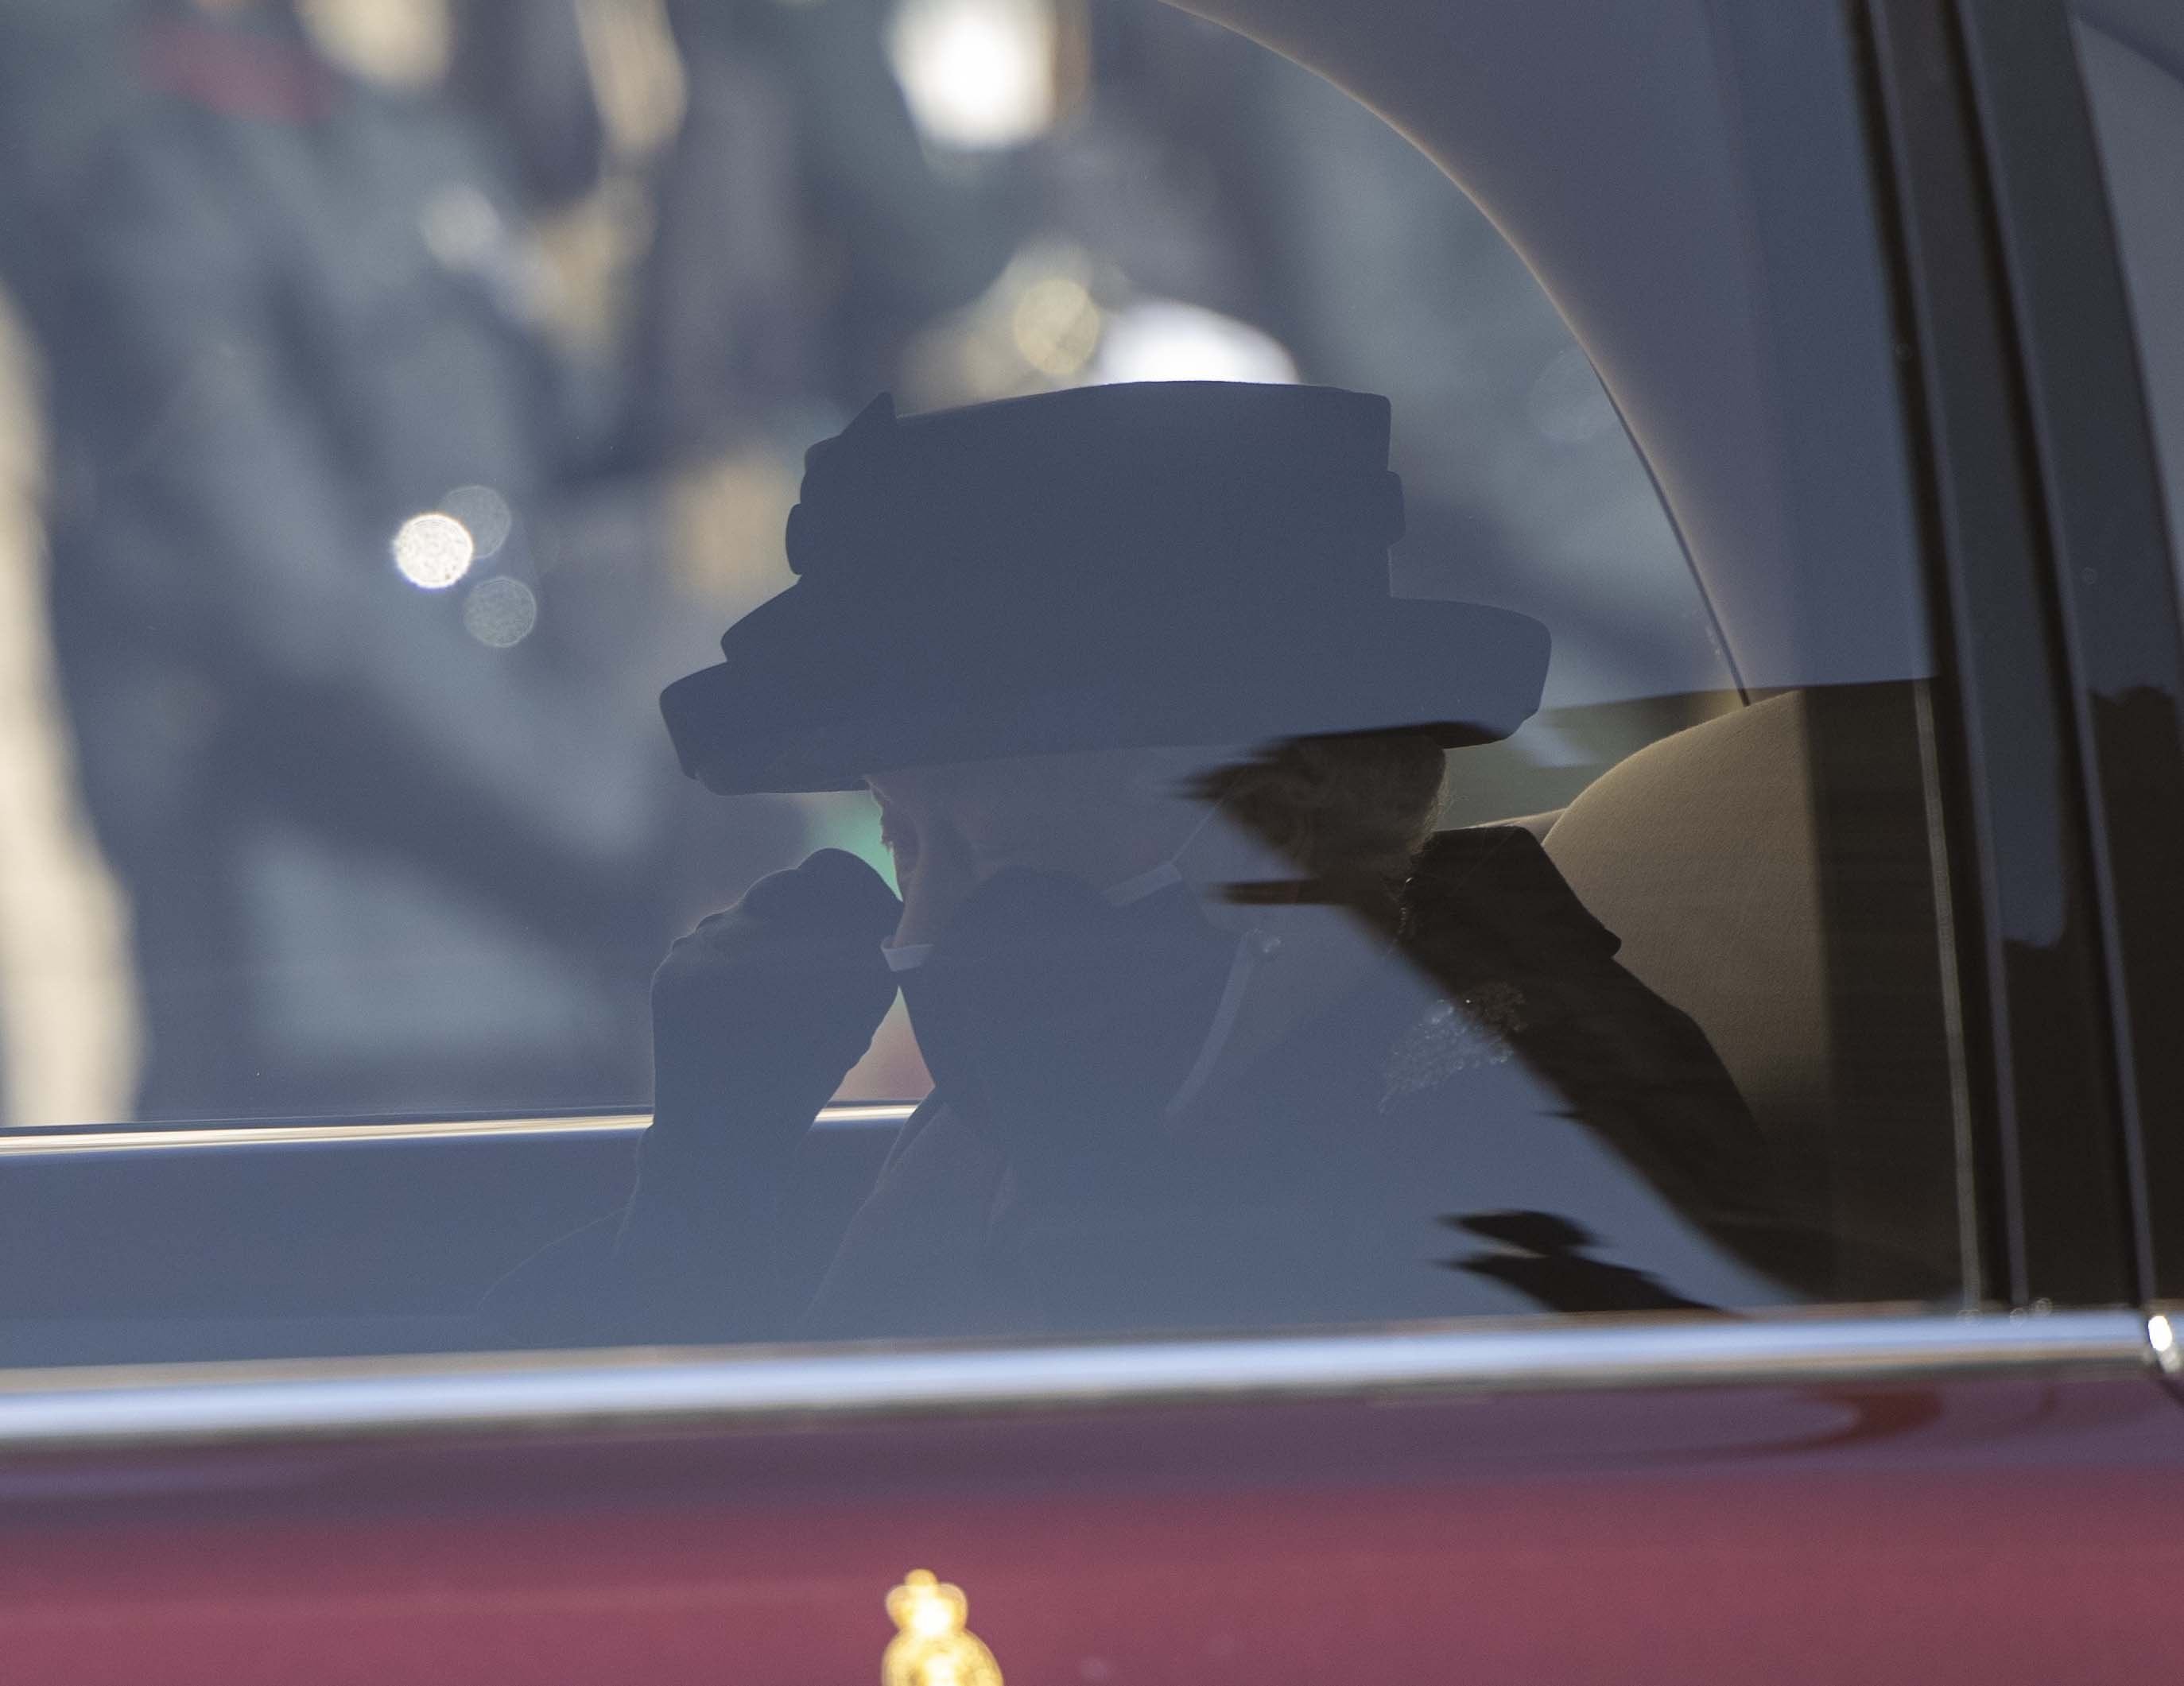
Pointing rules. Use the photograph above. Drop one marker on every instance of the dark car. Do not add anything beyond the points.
(1858, 782)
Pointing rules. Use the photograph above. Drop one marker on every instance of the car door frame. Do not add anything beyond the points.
(2087, 1156)
(2110, 569)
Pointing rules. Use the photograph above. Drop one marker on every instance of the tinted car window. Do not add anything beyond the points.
(2133, 59)
(1171, 664)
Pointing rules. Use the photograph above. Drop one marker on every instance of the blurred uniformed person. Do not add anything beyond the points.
(376, 824)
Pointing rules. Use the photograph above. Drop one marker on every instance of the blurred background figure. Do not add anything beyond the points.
(69, 1029)
(372, 797)
(803, 233)
(426, 382)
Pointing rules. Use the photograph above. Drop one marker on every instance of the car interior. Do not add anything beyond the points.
(1775, 870)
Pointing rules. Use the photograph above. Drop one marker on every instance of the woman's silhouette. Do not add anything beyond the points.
(1222, 1034)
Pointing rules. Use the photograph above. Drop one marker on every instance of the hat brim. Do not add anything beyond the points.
(810, 701)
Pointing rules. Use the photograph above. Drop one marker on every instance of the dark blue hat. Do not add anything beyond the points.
(1133, 566)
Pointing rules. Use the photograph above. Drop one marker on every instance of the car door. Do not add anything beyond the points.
(1844, 274)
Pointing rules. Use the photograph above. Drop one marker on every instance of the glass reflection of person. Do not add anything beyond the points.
(1221, 1036)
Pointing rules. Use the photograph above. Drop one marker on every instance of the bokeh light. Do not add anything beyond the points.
(1161, 339)
(433, 551)
(461, 227)
(1056, 326)
(978, 74)
(1567, 403)
(485, 513)
(500, 612)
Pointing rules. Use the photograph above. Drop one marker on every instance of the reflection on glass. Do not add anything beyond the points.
(484, 515)
(1219, 1036)
(1158, 339)
(978, 74)
(433, 551)
(541, 304)
(500, 612)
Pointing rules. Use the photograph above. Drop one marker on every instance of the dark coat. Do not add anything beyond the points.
(1501, 1119)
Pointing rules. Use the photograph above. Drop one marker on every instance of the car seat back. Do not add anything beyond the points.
(1771, 872)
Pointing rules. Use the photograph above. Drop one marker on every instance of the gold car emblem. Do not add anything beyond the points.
(933, 1649)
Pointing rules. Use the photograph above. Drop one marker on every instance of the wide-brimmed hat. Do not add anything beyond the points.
(1133, 566)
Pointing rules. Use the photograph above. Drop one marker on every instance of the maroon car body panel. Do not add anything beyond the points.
(1987, 1531)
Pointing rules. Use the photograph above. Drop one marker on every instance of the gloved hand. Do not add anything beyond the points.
(757, 1016)
(1061, 1025)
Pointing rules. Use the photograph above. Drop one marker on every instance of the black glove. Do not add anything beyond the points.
(757, 1016)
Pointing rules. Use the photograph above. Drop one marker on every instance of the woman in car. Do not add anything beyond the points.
(1222, 1034)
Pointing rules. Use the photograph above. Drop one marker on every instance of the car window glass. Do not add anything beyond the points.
(1187, 719)
(2132, 60)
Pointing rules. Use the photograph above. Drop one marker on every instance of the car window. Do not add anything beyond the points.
(1187, 718)
(2132, 60)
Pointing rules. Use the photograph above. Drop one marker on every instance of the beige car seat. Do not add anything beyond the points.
(1771, 872)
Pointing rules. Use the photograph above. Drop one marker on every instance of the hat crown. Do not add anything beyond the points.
(1180, 485)
(1164, 564)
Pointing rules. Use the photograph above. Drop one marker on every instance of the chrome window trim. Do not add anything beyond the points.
(132, 1139)
(2165, 1339)
(650, 1388)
